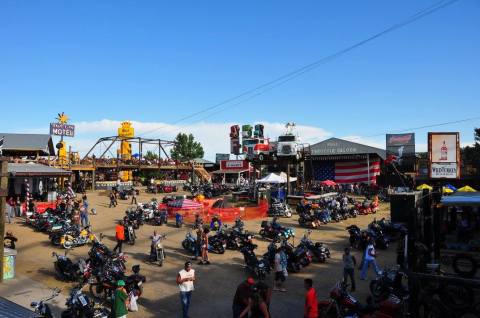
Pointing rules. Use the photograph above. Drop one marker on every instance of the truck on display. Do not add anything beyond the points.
(289, 144)
(254, 144)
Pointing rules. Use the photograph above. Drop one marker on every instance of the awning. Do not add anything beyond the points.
(274, 178)
(35, 170)
(10, 309)
(227, 171)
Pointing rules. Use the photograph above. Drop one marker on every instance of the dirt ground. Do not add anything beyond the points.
(216, 283)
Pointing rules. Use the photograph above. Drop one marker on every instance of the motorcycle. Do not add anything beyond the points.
(318, 250)
(129, 233)
(217, 243)
(41, 307)
(259, 267)
(178, 220)
(387, 282)
(297, 257)
(307, 220)
(157, 253)
(323, 215)
(279, 209)
(357, 238)
(80, 305)
(69, 241)
(160, 217)
(190, 243)
(272, 230)
(66, 270)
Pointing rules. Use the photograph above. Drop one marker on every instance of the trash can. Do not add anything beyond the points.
(9, 256)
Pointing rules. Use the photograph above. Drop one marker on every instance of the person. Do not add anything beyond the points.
(370, 256)
(205, 259)
(113, 201)
(242, 296)
(85, 200)
(280, 270)
(18, 207)
(311, 302)
(216, 223)
(185, 279)
(121, 300)
(155, 239)
(266, 293)
(120, 236)
(76, 218)
(84, 216)
(198, 245)
(256, 306)
(10, 208)
(134, 196)
(349, 263)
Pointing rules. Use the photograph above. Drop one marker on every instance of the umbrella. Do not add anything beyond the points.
(447, 190)
(451, 187)
(328, 183)
(424, 186)
(467, 189)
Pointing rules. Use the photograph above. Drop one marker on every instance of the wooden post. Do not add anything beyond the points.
(3, 199)
(288, 180)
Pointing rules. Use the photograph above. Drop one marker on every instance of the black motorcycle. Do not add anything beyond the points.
(388, 282)
(41, 307)
(319, 251)
(217, 243)
(160, 217)
(259, 267)
(190, 243)
(80, 305)
(273, 230)
(297, 257)
(66, 270)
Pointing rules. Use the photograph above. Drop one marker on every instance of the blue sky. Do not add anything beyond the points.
(157, 61)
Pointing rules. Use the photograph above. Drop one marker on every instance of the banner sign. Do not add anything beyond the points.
(59, 129)
(444, 155)
(234, 164)
(402, 147)
(221, 156)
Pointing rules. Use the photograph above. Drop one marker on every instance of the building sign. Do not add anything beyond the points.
(402, 148)
(234, 164)
(444, 170)
(221, 156)
(59, 129)
(334, 148)
(444, 155)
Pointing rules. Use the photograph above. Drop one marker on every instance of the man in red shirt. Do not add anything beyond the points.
(120, 236)
(311, 302)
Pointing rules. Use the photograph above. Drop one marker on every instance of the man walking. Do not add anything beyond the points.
(185, 279)
(242, 296)
(280, 270)
(134, 196)
(370, 256)
(349, 263)
(120, 236)
(113, 202)
(310, 310)
(84, 217)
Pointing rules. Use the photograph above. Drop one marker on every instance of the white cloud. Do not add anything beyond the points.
(213, 136)
(372, 142)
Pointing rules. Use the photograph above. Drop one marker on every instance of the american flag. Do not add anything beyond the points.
(346, 171)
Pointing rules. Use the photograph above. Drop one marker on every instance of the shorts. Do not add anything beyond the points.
(280, 276)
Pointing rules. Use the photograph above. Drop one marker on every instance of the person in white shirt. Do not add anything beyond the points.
(185, 279)
(370, 256)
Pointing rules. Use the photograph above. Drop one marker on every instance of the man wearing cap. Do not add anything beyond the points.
(121, 300)
(185, 279)
(242, 296)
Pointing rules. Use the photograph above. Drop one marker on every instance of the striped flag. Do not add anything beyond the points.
(356, 171)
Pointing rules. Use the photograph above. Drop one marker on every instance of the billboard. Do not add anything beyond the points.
(444, 155)
(402, 147)
(221, 156)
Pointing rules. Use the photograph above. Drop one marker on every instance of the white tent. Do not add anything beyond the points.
(275, 178)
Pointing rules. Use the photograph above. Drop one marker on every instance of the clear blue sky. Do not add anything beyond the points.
(161, 60)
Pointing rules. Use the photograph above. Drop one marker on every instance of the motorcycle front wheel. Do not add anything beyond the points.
(67, 244)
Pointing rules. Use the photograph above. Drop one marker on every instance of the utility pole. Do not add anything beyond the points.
(3, 199)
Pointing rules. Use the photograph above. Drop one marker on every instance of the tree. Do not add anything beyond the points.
(471, 154)
(150, 155)
(186, 148)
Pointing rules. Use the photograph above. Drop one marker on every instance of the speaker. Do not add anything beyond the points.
(404, 205)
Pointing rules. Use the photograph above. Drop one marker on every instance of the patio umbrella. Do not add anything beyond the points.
(467, 189)
(447, 190)
(424, 186)
(451, 187)
(328, 183)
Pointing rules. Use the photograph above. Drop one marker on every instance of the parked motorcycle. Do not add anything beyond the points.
(157, 252)
(259, 267)
(190, 243)
(319, 251)
(273, 230)
(129, 233)
(41, 307)
(279, 209)
(80, 305)
(66, 270)
(85, 236)
(297, 257)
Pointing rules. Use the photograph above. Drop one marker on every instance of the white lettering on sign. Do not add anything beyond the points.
(58, 129)
(328, 151)
(234, 164)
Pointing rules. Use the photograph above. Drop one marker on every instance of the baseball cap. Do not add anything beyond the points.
(120, 283)
(250, 281)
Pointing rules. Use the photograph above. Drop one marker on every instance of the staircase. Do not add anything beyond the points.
(202, 173)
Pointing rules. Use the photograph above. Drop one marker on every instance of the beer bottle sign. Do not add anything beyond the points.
(443, 152)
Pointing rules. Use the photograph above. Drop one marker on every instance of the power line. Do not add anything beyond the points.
(267, 86)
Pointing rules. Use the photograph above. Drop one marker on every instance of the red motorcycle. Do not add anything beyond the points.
(342, 305)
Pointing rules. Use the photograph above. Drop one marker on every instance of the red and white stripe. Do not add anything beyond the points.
(356, 171)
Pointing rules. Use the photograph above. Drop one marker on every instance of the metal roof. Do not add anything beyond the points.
(337, 147)
(9, 309)
(35, 169)
(28, 143)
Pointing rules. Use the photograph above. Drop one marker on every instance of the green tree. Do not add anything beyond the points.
(471, 154)
(186, 148)
(150, 155)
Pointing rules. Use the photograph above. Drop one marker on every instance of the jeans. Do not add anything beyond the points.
(366, 265)
(112, 203)
(84, 220)
(185, 298)
(9, 213)
(349, 272)
(118, 246)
